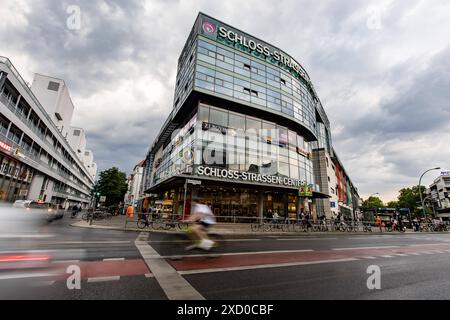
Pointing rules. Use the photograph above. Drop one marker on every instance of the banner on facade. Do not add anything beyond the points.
(305, 191)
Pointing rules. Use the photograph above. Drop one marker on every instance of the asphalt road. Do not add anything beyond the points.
(130, 265)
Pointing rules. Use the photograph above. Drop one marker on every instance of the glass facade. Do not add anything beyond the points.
(226, 139)
(247, 118)
(233, 74)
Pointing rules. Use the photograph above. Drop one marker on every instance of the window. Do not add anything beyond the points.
(329, 180)
(247, 67)
(76, 133)
(247, 90)
(218, 117)
(236, 121)
(283, 81)
(54, 86)
(254, 93)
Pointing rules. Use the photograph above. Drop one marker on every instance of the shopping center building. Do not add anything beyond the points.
(42, 157)
(247, 134)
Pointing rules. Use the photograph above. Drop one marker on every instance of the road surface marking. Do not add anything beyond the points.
(103, 279)
(305, 239)
(67, 261)
(44, 283)
(438, 251)
(264, 266)
(25, 275)
(401, 254)
(88, 242)
(387, 256)
(225, 240)
(368, 257)
(363, 248)
(232, 240)
(114, 259)
(415, 253)
(149, 275)
(26, 236)
(234, 253)
(428, 252)
(172, 283)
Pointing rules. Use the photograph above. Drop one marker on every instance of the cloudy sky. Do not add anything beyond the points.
(381, 69)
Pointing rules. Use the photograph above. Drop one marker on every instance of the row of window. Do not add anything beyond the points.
(251, 68)
(216, 81)
(31, 119)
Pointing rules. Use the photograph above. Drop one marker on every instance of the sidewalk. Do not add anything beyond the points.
(122, 223)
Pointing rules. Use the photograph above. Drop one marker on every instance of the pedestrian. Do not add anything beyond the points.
(378, 222)
(130, 211)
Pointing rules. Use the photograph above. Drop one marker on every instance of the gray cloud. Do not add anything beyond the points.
(381, 69)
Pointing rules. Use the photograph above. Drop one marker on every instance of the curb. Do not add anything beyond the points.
(298, 234)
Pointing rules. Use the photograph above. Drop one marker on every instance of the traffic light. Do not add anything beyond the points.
(98, 194)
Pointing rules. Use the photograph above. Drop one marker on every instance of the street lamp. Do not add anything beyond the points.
(420, 189)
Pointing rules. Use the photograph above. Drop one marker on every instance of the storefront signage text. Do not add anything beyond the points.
(5, 146)
(253, 45)
(247, 176)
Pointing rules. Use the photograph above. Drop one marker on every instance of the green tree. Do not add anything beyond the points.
(372, 203)
(112, 183)
(392, 204)
(410, 198)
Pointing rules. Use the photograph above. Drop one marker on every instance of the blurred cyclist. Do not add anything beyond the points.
(204, 219)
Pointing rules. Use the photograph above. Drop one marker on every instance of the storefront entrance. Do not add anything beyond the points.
(231, 204)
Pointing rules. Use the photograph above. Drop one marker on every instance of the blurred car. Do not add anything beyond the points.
(21, 203)
(46, 210)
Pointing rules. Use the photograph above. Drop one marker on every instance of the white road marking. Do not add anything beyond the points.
(305, 239)
(264, 266)
(368, 257)
(401, 254)
(362, 248)
(114, 259)
(172, 283)
(149, 275)
(25, 275)
(88, 242)
(428, 252)
(67, 261)
(386, 256)
(44, 283)
(232, 240)
(26, 236)
(415, 253)
(103, 279)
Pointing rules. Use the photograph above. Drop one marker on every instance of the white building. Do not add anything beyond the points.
(37, 162)
(440, 194)
(54, 96)
(77, 140)
(134, 184)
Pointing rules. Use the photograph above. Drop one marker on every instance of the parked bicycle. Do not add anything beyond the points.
(145, 221)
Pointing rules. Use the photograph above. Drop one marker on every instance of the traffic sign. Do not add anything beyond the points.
(193, 181)
(102, 199)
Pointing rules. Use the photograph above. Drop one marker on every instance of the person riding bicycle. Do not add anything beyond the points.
(204, 219)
